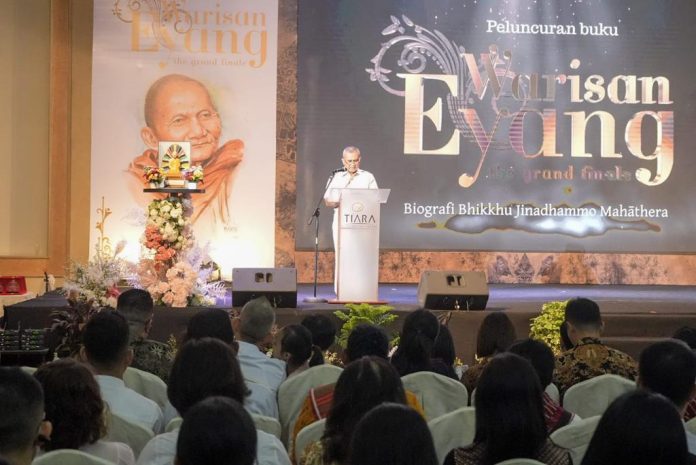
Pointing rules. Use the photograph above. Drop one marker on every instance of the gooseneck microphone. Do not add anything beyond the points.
(338, 170)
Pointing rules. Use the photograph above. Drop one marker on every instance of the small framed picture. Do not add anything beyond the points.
(174, 157)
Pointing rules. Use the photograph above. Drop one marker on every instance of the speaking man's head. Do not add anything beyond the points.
(179, 108)
(351, 159)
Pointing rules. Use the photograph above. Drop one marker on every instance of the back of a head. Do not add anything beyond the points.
(495, 334)
(138, 308)
(392, 434)
(21, 410)
(256, 319)
(416, 342)
(444, 346)
(583, 313)
(203, 368)
(216, 431)
(638, 428)
(322, 328)
(363, 384)
(296, 342)
(668, 368)
(105, 339)
(73, 404)
(367, 340)
(210, 322)
(509, 409)
(539, 355)
(564, 338)
(686, 334)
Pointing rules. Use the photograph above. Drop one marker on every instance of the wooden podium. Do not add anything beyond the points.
(357, 251)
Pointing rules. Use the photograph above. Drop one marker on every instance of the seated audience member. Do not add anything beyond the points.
(392, 434)
(363, 341)
(205, 368)
(105, 347)
(211, 322)
(589, 357)
(495, 335)
(74, 407)
(669, 368)
(364, 384)
(216, 431)
(510, 417)
(444, 352)
(323, 332)
(293, 345)
(416, 343)
(22, 424)
(688, 335)
(564, 339)
(541, 357)
(148, 355)
(638, 428)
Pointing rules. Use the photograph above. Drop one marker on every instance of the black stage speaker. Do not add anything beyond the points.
(453, 290)
(279, 285)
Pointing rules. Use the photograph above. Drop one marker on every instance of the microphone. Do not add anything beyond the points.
(338, 170)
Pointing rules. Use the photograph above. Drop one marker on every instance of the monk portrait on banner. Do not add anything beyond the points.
(180, 108)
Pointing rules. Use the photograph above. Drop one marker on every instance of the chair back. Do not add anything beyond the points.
(69, 457)
(592, 397)
(293, 391)
(308, 435)
(436, 393)
(147, 385)
(453, 430)
(173, 424)
(576, 437)
(691, 426)
(520, 462)
(552, 391)
(266, 424)
(119, 429)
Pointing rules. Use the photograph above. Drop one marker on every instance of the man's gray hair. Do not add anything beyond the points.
(256, 319)
(351, 149)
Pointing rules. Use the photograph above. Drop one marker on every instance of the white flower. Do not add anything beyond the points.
(175, 213)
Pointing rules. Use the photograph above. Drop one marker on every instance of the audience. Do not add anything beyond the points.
(22, 424)
(74, 407)
(444, 352)
(205, 368)
(589, 357)
(495, 335)
(416, 343)
(541, 357)
(688, 335)
(105, 347)
(564, 340)
(638, 428)
(216, 431)
(148, 355)
(669, 368)
(392, 434)
(293, 345)
(211, 322)
(323, 332)
(510, 417)
(364, 384)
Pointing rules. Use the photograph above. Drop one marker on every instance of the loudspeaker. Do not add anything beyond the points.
(453, 290)
(279, 285)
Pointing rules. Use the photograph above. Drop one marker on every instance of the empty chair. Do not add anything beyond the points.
(452, 430)
(593, 396)
(119, 429)
(576, 437)
(308, 435)
(436, 393)
(267, 424)
(69, 456)
(147, 385)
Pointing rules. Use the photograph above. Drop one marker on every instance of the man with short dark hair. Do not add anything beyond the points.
(21, 416)
(669, 368)
(148, 355)
(589, 357)
(105, 347)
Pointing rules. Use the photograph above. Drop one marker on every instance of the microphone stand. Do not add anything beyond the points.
(315, 218)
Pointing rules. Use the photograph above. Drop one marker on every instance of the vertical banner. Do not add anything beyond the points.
(202, 71)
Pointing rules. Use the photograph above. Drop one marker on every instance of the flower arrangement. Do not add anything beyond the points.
(95, 283)
(153, 174)
(166, 231)
(546, 327)
(193, 174)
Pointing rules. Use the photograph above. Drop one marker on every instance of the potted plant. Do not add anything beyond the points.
(546, 327)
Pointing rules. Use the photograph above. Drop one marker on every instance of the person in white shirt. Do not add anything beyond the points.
(350, 177)
(262, 373)
(204, 368)
(105, 347)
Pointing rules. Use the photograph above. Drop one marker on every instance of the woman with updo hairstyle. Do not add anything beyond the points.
(416, 343)
(293, 344)
(74, 406)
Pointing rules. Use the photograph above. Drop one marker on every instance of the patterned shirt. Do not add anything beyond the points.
(472, 374)
(153, 356)
(549, 453)
(588, 359)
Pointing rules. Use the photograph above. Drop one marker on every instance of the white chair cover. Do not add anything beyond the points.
(552, 391)
(691, 426)
(576, 437)
(267, 424)
(453, 430)
(436, 393)
(308, 435)
(146, 384)
(173, 424)
(593, 396)
(520, 462)
(119, 429)
(69, 457)
(293, 391)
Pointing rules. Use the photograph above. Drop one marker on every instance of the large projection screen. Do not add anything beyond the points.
(505, 125)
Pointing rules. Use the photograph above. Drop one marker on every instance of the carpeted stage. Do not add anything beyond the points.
(633, 315)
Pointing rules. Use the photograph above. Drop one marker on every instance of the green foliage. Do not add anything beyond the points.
(378, 315)
(546, 327)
